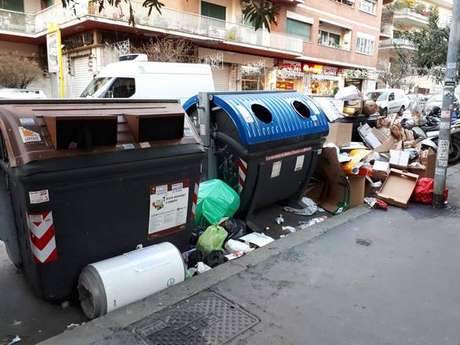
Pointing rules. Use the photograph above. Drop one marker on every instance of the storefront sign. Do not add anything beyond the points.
(355, 73)
(320, 69)
(289, 71)
(315, 69)
(284, 85)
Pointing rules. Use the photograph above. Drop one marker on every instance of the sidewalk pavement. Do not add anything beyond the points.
(366, 277)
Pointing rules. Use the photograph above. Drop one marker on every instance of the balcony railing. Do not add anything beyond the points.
(16, 22)
(171, 20)
(397, 43)
(407, 14)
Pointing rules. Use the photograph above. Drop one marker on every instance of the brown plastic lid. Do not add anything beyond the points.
(28, 132)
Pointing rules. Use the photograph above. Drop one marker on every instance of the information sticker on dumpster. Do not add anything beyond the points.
(39, 196)
(168, 208)
(29, 136)
(245, 113)
(299, 162)
(276, 169)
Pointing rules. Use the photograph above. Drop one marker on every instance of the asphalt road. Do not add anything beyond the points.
(24, 315)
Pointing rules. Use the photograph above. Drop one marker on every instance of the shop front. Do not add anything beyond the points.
(322, 80)
(252, 77)
(287, 76)
(365, 80)
(236, 71)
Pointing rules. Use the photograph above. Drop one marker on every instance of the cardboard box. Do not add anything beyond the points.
(340, 133)
(428, 159)
(398, 187)
(417, 168)
(380, 170)
(379, 139)
(335, 193)
(399, 159)
(357, 190)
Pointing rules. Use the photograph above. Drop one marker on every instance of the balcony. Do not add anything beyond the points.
(396, 43)
(408, 17)
(386, 31)
(170, 22)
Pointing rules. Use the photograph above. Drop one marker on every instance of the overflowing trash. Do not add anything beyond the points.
(377, 159)
(212, 239)
(216, 200)
(423, 192)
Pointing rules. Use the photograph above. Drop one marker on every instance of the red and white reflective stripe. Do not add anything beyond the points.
(195, 199)
(242, 172)
(42, 237)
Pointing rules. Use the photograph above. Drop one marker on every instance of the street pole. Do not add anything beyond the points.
(450, 78)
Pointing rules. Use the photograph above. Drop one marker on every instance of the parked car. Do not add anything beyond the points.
(390, 100)
(11, 93)
(150, 80)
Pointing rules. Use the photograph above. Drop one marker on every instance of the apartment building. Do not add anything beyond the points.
(399, 16)
(316, 47)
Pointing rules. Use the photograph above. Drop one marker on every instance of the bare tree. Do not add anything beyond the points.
(18, 71)
(168, 50)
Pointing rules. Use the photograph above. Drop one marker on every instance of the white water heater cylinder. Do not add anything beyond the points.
(110, 284)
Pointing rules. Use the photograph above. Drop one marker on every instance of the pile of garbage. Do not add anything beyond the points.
(392, 162)
(219, 236)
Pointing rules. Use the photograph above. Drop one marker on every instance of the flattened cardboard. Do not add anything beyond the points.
(357, 189)
(335, 196)
(398, 187)
(340, 133)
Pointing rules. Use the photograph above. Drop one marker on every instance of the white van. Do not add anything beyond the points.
(150, 80)
(390, 100)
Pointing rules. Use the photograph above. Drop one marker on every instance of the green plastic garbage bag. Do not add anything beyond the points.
(212, 239)
(216, 200)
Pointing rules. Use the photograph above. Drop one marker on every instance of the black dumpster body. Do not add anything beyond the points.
(73, 207)
(266, 144)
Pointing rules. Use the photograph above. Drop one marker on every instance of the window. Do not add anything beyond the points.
(95, 86)
(212, 10)
(365, 46)
(369, 6)
(391, 97)
(298, 28)
(46, 3)
(12, 5)
(121, 88)
(329, 39)
(346, 2)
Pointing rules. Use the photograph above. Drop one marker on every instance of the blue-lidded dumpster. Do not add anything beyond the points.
(265, 144)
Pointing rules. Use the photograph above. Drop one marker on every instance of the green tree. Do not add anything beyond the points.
(430, 54)
(260, 13)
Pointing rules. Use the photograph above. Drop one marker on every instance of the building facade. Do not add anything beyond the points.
(406, 15)
(316, 46)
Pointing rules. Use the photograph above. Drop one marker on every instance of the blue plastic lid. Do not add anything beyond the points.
(270, 116)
